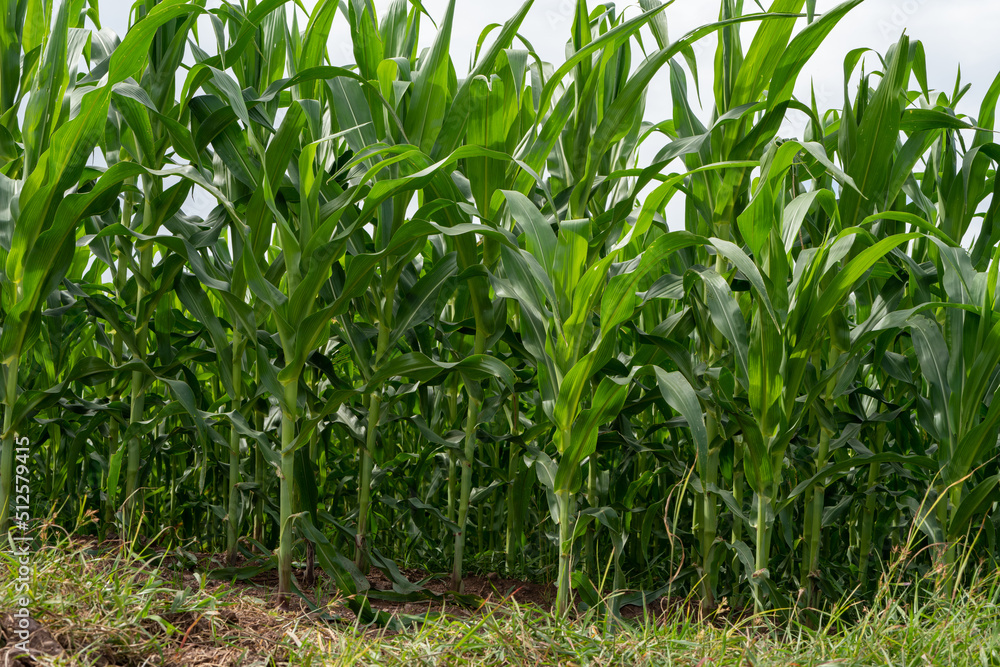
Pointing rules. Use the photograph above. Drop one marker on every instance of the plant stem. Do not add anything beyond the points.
(289, 413)
(763, 537)
(9, 441)
(234, 450)
(258, 467)
(590, 549)
(816, 517)
(709, 521)
(738, 486)
(513, 524)
(564, 585)
(138, 405)
(864, 547)
(452, 467)
(471, 422)
(115, 434)
(365, 484)
(367, 461)
(868, 520)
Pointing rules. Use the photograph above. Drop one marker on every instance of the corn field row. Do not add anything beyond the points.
(432, 319)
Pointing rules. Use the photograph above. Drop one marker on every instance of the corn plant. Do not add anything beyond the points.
(367, 307)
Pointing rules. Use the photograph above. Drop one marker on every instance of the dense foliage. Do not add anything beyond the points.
(428, 319)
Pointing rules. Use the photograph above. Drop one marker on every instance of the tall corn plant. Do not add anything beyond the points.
(433, 118)
(44, 217)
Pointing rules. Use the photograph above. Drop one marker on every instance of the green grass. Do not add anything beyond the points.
(106, 607)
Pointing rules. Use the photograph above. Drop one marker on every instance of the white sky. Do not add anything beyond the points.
(954, 33)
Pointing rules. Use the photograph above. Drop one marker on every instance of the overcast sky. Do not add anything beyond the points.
(954, 33)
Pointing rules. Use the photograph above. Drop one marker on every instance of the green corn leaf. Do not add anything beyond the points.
(680, 396)
(801, 49)
(726, 316)
(425, 116)
(972, 504)
(869, 165)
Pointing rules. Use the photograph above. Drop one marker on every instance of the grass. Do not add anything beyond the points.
(106, 607)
